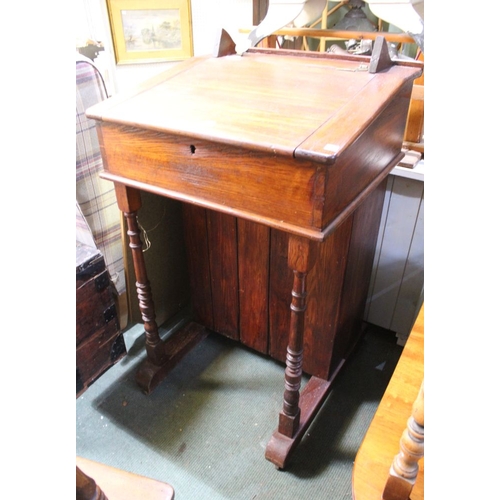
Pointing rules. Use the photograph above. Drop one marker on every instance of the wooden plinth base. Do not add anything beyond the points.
(280, 447)
(176, 346)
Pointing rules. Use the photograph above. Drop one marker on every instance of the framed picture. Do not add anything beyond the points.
(150, 30)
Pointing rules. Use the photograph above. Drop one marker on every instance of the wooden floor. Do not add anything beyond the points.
(381, 443)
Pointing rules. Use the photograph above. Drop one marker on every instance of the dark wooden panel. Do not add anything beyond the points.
(253, 268)
(324, 284)
(99, 343)
(252, 259)
(358, 270)
(161, 219)
(99, 353)
(196, 238)
(259, 10)
(281, 281)
(95, 306)
(223, 256)
(324, 287)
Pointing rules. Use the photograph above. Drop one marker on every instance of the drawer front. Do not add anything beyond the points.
(281, 189)
(98, 353)
(95, 307)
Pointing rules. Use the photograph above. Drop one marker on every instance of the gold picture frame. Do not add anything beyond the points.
(146, 31)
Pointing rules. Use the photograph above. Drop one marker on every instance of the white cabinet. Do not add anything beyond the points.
(397, 282)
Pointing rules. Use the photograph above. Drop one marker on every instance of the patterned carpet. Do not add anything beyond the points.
(205, 427)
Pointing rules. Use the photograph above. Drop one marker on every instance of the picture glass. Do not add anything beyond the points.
(151, 30)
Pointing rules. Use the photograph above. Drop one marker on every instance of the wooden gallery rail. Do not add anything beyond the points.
(332, 34)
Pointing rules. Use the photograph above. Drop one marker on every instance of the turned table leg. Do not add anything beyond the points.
(301, 257)
(162, 356)
(404, 469)
(299, 408)
(129, 202)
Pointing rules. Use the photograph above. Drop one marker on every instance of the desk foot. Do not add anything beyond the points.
(280, 447)
(176, 346)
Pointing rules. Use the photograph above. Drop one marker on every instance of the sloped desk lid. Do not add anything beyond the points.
(287, 102)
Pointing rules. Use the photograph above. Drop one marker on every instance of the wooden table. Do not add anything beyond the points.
(100, 479)
(382, 441)
(280, 159)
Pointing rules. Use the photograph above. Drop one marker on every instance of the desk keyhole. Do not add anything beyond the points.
(192, 148)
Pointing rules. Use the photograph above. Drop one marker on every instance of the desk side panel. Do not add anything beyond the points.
(365, 225)
(359, 165)
(324, 295)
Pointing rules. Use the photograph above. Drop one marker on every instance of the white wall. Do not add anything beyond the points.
(208, 17)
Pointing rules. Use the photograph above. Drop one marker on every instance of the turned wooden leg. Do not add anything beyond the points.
(404, 469)
(86, 487)
(129, 202)
(301, 257)
(162, 356)
(299, 408)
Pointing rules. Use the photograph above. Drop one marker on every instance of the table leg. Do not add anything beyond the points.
(301, 258)
(298, 409)
(405, 467)
(162, 356)
(129, 201)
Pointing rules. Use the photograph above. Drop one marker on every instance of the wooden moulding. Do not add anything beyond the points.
(280, 447)
(176, 346)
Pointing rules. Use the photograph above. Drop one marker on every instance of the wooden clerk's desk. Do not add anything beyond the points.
(279, 158)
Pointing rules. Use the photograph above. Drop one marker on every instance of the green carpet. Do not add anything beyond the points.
(205, 427)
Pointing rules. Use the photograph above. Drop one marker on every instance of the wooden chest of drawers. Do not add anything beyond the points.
(99, 343)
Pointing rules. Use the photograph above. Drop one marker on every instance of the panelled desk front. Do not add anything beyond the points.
(280, 159)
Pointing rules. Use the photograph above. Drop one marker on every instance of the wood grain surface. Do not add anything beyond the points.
(381, 443)
(120, 484)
